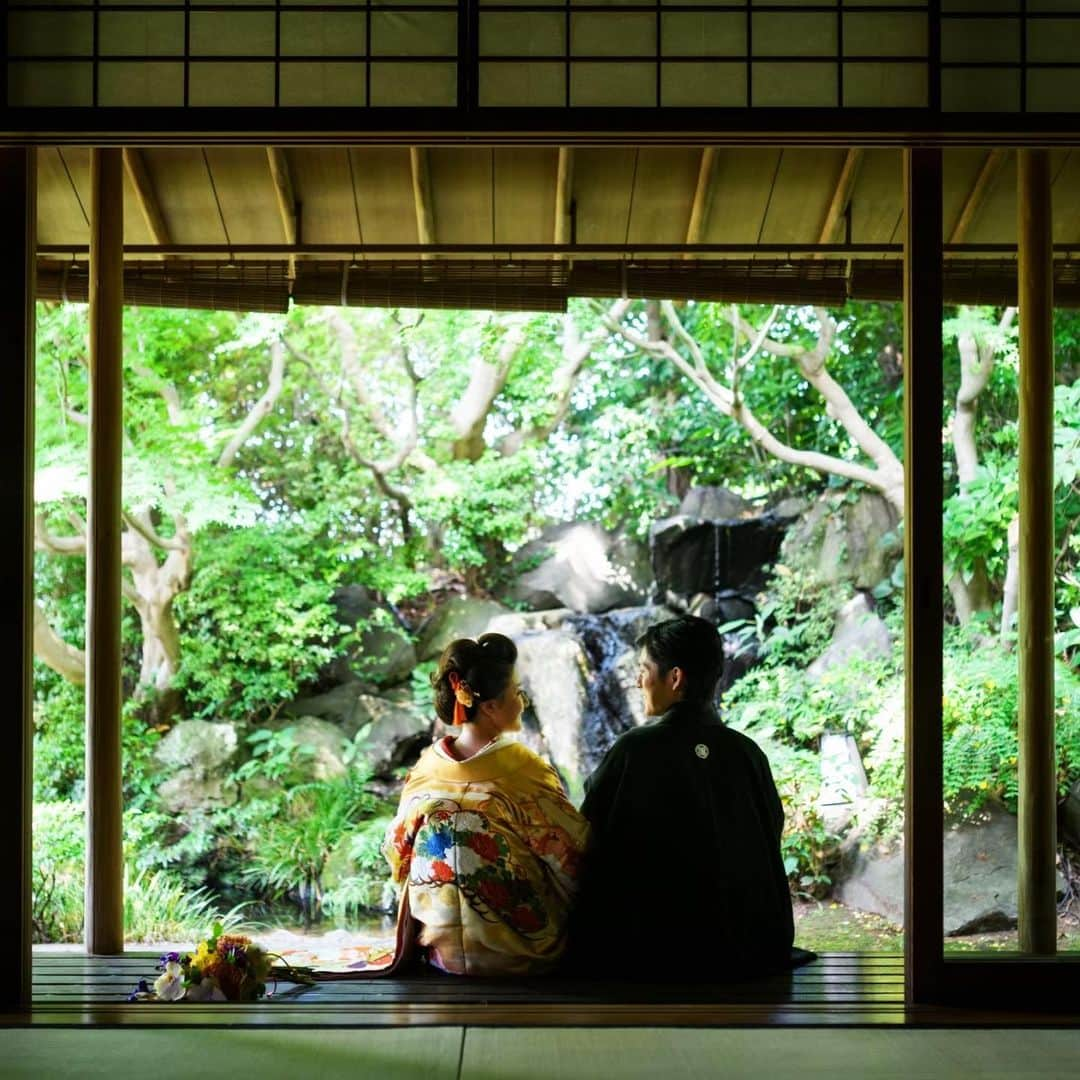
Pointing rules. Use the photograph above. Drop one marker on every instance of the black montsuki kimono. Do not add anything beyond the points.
(684, 875)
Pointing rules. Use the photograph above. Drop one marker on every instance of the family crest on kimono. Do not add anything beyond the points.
(485, 847)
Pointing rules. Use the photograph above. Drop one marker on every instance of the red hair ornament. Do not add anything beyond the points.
(463, 698)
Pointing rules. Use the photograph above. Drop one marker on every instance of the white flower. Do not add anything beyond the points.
(169, 985)
(207, 990)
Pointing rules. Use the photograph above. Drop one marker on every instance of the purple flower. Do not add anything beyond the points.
(168, 958)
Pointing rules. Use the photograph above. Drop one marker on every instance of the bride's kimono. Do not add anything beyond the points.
(489, 850)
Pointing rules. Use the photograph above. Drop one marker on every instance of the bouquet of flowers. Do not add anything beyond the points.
(223, 967)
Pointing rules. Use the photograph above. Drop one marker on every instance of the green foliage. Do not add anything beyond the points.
(292, 852)
(976, 522)
(257, 622)
(363, 888)
(158, 906)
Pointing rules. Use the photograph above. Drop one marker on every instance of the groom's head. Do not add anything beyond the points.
(681, 659)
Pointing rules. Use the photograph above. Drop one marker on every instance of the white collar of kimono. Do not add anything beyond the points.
(497, 743)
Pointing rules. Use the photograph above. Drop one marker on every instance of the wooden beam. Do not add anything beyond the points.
(1037, 802)
(976, 197)
(564, 195)
(286, 197)
(104, 932)
(18, 196)
(703, 198)
(421, 183)
(845, 185)
(135, 167)
(923, 582)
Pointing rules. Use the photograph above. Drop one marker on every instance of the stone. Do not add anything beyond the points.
(690, 556)
(321, 749)
(980, 877)
(461, 617)
(197, 755)
(382, 655)
(200, 746)
(859, 634)
(553, 670)
(394, 725)
(1069, 817)
(715, 504)
(843, 780)
(845, 538)
(581, 567)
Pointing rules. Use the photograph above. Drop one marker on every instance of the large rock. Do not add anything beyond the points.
(843, 780)
(1069, 817)
(715, 504)
(554, 671)
(691, 556)
(581, 567)
(849, 538)
(462, 617)
(393, 725)
(980, 877)
(859, 634)
(197, 754)
(321, 749)
(382, 653)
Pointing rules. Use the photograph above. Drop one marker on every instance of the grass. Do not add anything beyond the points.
(831, 927)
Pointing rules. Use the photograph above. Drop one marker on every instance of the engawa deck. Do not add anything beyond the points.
(838, 989)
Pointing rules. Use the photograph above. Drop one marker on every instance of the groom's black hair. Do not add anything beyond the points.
(694, 646)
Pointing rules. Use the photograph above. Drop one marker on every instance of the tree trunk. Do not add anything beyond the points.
(52, 650)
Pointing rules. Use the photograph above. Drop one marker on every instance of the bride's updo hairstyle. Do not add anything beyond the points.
(485, 666)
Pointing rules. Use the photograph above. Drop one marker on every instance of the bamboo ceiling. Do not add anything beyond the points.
(526, 227)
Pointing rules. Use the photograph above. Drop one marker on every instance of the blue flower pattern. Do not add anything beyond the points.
(436, 844)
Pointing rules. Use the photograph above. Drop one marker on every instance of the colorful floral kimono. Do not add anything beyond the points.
(489, 850)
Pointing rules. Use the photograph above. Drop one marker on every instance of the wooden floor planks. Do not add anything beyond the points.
(839, 989)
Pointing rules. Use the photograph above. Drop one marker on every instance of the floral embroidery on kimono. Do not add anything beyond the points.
(490, 851)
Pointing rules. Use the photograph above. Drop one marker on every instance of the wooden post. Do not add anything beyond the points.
(1035, 610)
(923, 607)
(18, 199)
(104, 803)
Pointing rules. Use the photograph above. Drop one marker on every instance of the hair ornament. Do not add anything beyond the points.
(463, 697)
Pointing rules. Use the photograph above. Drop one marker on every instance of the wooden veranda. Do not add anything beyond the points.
(515, 156)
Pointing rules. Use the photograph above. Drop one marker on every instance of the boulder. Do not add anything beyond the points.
(382, 654)
(321, 749)
(1069, 817)
(580, 566)
(715, 504)
(200, 746)
(395, 725)
(845, 538)
(553, 670)
(197, 755)
(980, 877)
(691, 556)
(461, 617)
(859, 634)
(843, 780)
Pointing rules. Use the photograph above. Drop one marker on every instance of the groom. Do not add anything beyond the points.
(684, 875)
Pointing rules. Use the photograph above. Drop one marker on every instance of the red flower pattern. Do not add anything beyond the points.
(441, 872)
(495, 894)
(484, 845)
(524, 918)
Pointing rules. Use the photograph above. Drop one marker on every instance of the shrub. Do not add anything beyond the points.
(367, 887)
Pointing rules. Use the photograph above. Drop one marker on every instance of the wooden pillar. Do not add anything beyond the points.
(923, 608)
(1037, 801)
(18, 197)
(104, 803)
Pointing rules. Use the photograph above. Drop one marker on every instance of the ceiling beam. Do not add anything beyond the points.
(135, 167)
(421, 184)
(286, 197)
(976, 197)
(703, 198)
(845, 185)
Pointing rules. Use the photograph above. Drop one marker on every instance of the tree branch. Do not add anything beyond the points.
(50, 648)
(261, 409)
